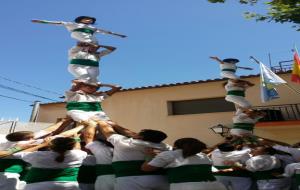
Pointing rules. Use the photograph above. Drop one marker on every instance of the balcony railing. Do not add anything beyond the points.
(287, 112)
(283, 66)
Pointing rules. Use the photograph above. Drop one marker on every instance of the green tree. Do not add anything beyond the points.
(280, 11)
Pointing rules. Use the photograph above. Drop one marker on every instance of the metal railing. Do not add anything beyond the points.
(287, 112)
(283, 66)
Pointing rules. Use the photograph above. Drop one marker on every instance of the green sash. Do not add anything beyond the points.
(104, 169)
(132, 168)
(234, 173)
(87, 174)
(35, 175)
(84, 106)
(12, 165)
(190, 173)
(236, 93)
(245, 126)
(231, 70)
(266, 175)
(84, 30)
(86, 62)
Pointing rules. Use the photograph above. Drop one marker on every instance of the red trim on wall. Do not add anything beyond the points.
(277, 123)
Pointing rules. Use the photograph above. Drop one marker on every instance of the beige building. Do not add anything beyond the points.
(189, 109)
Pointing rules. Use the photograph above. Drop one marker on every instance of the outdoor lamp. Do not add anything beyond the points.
(220, 129)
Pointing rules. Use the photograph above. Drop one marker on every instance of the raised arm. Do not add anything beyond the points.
(106, 129)
(108, 50)
(216, 59)
(47, 22)
(114, 88)
(121, 130)
(89, 134)
(99, 30)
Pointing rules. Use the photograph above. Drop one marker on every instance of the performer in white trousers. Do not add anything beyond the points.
(187, 167)
(244, 122)
(228, 67)
(56, 169)
(234, 180)
(82, 29)
(84, 102)
(103, 152)
(84, 61)
(129, 155)
(236, 93)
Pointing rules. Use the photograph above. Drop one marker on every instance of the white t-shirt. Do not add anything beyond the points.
(230, 86)
(218, 157)
(79, 96)
(72, 26)
(292, 169)
(46, 159)
(244, 118)
(228, 66)
(262, 163)
(174, 158)
(102, 152)
(128, 149)
(295, 152)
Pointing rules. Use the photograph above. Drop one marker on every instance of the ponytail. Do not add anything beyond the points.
(61, 145)
(60, 157)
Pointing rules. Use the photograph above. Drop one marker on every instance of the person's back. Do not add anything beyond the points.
(56, 169)
(129, 155)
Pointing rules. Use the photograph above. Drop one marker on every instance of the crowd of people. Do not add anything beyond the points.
(102, 155)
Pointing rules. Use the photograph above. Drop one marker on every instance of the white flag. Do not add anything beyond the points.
(268, 81)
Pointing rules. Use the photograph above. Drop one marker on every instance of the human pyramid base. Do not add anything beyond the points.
(88, 151)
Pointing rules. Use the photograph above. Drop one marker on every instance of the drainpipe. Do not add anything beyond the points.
(35, 111)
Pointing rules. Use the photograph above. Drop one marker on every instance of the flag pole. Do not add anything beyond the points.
(287, 85)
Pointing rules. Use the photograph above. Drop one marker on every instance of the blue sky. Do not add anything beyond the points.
(168, 41)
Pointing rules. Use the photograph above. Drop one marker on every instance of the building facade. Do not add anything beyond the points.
(189, 109)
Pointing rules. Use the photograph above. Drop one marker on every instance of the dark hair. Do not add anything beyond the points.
(226, 147)
(153, 136)
(189, 146)
(20, 136)
(61, 145)
(78, 19)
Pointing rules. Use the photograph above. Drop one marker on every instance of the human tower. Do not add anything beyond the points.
(83, 99)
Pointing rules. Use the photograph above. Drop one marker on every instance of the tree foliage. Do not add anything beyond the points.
(281, 11)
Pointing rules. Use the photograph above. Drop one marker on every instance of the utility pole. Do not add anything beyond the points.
(35, 111)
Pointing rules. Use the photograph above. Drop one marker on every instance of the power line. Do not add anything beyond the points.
(24, 92)
(30, 86)
(15, 98)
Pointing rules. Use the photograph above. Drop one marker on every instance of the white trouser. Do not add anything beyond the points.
(235, 183)
(229, 75)
(10, 181)
(88, 74)
(149, 182)
(197, 186)
(240, 132)
(238, 100)
(274, 184)
(84, 37)
(86, 186)
(79, 115)
(105, 182)
(52, 185)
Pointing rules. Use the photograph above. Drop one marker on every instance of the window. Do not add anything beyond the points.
(197, 106)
